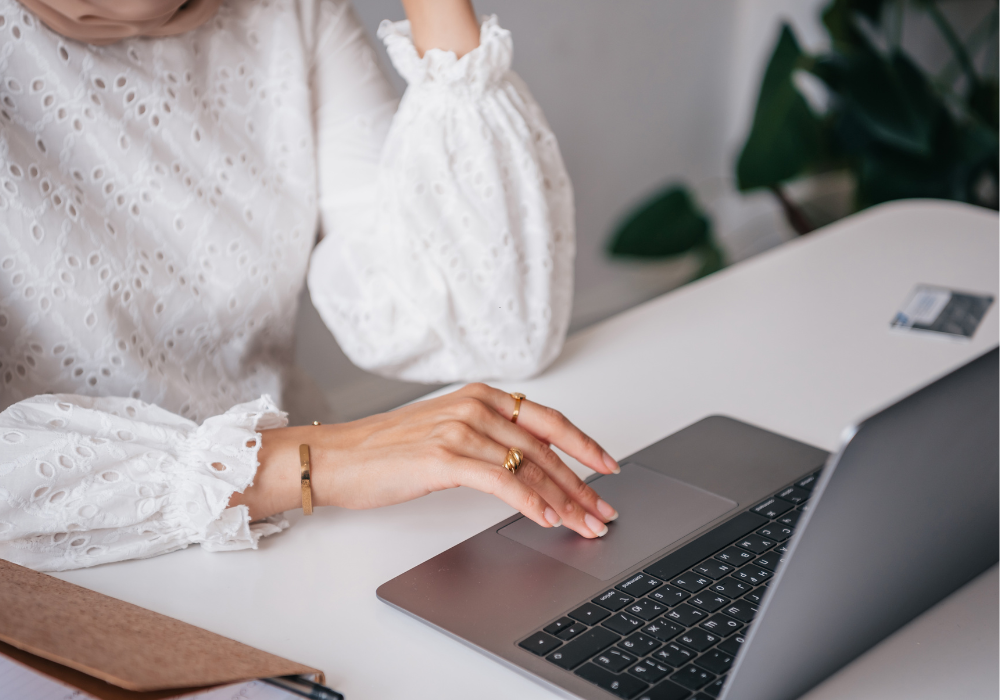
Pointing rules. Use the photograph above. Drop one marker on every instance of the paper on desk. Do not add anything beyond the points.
(17, 681)
(933, 309)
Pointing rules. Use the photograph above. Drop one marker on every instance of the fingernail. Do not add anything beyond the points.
(595, 525)
(611, 464)
(607, 511)
(553, 518)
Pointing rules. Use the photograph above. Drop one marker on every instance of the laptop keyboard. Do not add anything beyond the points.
(672, 631)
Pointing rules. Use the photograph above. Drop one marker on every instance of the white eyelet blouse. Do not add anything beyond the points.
(159, 202)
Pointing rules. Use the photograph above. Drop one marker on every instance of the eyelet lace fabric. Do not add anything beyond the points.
(159, 200)
(129, 480)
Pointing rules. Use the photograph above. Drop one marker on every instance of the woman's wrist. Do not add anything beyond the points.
(277, 485)
(449, 25)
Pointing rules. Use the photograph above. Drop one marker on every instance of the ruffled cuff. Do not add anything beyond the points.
(478, 70)
(216, 460)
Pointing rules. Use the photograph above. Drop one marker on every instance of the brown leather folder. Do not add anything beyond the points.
(114, 650)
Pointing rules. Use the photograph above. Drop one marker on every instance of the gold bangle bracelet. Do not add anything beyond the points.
(306, 476)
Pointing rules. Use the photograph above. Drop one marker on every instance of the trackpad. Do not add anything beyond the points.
(654, 512)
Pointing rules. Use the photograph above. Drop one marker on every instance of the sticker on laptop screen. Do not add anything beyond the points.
(940, 310)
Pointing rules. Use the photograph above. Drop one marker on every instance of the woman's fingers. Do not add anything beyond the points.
(565, 507)
(529, 499)
(497, 481)
(573, 515)
(548, 425)
(574, 492)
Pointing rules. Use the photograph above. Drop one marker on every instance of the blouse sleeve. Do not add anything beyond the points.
(449, 240)
(87, 481)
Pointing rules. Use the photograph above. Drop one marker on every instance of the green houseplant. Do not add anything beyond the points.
(894, 130)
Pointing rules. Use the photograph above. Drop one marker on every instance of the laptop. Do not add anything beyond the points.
(745, 565)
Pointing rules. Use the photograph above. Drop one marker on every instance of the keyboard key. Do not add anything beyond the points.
(614, 659)
(715, 661)
(665, 690)
(755, 596)
(692, 677)
(771, 508)
(559, 625)
(741, 610)
(709, 602)
(730, 587)
(721, 625)
(769, 561)
(540, 643)
(794, 494)
(613, 600)
(662, 629)
(809, 482)
(712, 541)
(781, 549)
(639, 585)
(732, 645)
(589, 613)
(691, 582)
(574, 653)
(674, 654)
(753, 575)
(790, 519)
(571, 631)
(623, 686)
(686, 615)
(713, 689)
(735, 556)
(714, 569)
(623, 623)
(698, 639)
(668, 595)
(756, 544)
(776, 532)
(646, 609)
(639, 644)
(650, 670)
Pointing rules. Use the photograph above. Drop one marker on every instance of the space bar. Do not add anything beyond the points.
(705, 546)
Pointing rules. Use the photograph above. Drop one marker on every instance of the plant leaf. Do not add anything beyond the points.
(985, 100)
(889, 97)
(961, 154)
(712, 260)
(838, 18)
(785, 139)
(667, 224)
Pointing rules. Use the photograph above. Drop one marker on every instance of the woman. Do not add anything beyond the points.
(163, 168)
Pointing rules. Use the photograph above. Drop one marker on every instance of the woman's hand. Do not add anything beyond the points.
(460, 439)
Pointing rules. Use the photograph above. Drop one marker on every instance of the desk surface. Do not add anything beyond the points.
(796, 340)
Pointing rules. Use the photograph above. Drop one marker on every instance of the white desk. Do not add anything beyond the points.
(796, 340)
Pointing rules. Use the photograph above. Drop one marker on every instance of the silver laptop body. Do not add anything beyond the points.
(902, 515)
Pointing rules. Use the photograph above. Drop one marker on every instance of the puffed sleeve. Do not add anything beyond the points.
(449, 237)
(87, 481)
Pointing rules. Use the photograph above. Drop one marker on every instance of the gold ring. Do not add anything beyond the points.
(517, 396)
(514, 457)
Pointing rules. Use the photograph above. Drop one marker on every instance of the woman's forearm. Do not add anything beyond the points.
(449, 25)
